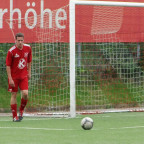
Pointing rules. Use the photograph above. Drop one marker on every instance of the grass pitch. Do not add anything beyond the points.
(109, 128)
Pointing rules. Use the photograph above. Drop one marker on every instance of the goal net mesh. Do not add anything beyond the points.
(108, 72)
(49, 87)
(109, 75)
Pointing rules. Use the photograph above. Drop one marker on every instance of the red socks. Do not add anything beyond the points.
(14, 110)
(23, 104)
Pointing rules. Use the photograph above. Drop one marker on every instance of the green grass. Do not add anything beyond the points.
(49, 90)
(5, 98)
(117, 91)
(110, 128)
(114, 91)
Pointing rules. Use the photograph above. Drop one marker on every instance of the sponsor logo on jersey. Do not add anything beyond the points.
(22, 63)
(25, 54)
(16, 55)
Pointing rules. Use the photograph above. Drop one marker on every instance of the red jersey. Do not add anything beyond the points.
(17, 60)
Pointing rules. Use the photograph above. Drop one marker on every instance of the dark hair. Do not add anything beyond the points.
(19, 35)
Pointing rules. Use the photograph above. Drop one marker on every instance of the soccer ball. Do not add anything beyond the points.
(87, 123)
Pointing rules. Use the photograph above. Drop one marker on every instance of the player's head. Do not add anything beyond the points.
(19, 40)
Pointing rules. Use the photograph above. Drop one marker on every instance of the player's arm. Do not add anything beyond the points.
(8, 68)
(29, 64)
(11, 82)
(29, 70)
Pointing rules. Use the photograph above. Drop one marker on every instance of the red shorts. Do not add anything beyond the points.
(21, 83)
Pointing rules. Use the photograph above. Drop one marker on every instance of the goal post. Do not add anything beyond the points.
(72, 59)
(72, 30)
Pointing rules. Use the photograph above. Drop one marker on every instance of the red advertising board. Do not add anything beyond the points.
(28, 17)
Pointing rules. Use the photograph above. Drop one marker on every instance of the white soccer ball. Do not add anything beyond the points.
(87, 123)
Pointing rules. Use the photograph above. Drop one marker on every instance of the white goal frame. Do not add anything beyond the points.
(72, 5)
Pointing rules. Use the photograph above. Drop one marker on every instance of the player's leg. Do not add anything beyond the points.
(13, 103)
(24, 100)
(24, 96)
(13, 100)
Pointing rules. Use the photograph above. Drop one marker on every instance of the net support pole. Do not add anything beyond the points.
(72, 60)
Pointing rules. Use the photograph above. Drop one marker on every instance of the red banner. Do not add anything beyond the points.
(48, 21)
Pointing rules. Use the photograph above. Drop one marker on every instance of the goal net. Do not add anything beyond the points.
(108, 53)
(95, 66)
(49, 87)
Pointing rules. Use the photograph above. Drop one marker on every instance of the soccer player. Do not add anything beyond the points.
(18, 66)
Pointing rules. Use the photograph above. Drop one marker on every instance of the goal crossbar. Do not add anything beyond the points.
(72, 5)
(107, 3)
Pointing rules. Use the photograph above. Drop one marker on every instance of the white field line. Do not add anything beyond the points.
(59, 129)
(26, 119)
(133, 127)
(29, 119)
(31, 128)
(33, 119)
